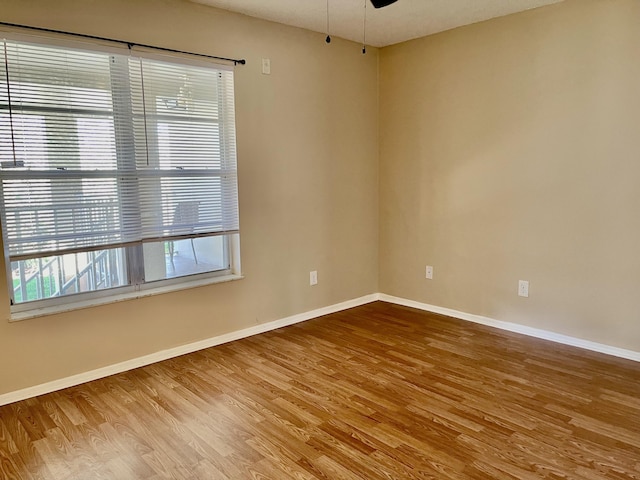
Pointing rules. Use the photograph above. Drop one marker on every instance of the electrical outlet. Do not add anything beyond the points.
(429, 272)
(313, 278)
(523, 288)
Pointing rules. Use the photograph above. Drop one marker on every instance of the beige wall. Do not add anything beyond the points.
(510, 150)
(308, 152)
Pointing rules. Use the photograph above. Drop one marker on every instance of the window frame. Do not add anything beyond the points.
(137, 285)
(76, 301)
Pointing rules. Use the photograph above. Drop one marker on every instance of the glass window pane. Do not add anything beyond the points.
(49, 277)
(172, 259)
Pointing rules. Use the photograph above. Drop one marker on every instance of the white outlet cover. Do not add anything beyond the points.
(429, 272)
(313, 278)
(523, 288)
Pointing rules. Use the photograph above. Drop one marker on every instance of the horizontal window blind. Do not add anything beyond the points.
(99, 150)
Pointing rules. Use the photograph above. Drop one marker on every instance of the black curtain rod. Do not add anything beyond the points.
(235, 61)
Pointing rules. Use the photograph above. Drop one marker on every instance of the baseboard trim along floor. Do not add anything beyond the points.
(84, 377)
(516, 328)
(74, 380)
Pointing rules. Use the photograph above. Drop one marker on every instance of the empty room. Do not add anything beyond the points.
(320, 239)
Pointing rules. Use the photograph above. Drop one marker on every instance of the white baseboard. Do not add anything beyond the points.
(84, 377)
(283, 322)
(516, 328)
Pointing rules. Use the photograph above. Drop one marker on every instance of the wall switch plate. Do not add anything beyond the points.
(523, 288)
(313, 278)
(266, 66)
(429, 272)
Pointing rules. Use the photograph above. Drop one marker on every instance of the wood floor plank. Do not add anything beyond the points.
(375, 392)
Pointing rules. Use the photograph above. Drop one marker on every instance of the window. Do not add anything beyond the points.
(117, 171)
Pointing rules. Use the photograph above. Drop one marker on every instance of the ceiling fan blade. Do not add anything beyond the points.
(382, 3)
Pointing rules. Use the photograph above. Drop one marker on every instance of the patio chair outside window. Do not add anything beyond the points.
(185, 217)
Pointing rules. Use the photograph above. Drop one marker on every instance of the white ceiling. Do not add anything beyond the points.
(401, 21)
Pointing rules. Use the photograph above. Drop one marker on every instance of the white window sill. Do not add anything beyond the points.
(67, 307)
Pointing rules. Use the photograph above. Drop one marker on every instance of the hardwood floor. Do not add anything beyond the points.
(375, 392)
